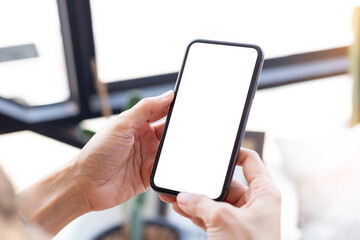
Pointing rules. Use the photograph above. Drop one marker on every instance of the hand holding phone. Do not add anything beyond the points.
(207, 119)
(250, 212)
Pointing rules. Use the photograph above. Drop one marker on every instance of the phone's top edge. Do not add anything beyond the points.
(254, 46)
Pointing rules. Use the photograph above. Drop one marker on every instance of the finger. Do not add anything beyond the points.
(196, 205)
(197, 221)
(175, 206)
(167, 198)
(147, 107)
(157, 116)
(236, 191)
(177, 209)
(159, 128)
(252, 165)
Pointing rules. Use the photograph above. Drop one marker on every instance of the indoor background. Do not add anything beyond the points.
(65, 64)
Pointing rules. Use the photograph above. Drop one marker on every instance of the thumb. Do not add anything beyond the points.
(149, 109)
(195, 205)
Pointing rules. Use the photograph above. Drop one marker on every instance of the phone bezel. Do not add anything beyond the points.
(242, 125)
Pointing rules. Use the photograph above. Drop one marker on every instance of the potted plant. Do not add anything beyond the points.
(135, 228)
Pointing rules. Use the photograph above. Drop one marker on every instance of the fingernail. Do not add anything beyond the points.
(183, 197)
(166, 94)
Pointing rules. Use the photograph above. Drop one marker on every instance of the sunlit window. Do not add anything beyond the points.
(141, 38)
(32, 65)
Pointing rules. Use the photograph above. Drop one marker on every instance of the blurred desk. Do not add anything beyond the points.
(27, 156)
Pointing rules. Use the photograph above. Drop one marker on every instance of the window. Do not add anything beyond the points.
(46, 48)
(135, 39)
(32, 64)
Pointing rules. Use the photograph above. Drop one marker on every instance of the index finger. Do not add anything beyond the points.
(167, 198)
(252, 165)
(148, 109)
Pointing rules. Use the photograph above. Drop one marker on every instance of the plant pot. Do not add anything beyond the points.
(155, 229)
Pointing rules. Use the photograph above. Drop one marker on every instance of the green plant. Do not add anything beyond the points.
(135, 206)
(135, 222)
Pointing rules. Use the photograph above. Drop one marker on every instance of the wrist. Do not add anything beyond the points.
(56, 200)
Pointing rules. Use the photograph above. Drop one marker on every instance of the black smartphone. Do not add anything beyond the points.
(207, 118)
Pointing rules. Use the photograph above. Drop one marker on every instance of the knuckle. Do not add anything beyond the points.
(193, 203)
(219, 214)
(147, 104)
(253, 154)
(269, 188)
(262, 187)
(277, 195)
(144, 101)
(264, 184)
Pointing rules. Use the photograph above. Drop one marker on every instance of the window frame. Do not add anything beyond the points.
(54, 120)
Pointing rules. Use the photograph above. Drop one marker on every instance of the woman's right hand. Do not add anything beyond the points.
(249, 212)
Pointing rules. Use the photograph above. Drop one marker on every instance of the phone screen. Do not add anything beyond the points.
(202, 134)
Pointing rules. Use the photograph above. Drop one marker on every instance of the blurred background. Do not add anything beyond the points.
(67, 66)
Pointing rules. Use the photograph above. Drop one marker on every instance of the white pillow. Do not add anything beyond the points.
(326, 173)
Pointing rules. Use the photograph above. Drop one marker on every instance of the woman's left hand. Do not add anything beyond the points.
(116, 164)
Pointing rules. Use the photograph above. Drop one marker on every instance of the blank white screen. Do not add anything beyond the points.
(205, 118)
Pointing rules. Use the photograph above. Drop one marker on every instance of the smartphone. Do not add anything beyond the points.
(207, 118)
